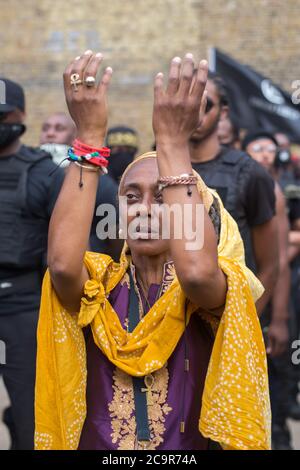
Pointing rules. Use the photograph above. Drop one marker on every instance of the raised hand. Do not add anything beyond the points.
(178, 110)
(87, 100)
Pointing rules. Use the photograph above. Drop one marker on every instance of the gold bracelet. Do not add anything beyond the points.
(184, 179)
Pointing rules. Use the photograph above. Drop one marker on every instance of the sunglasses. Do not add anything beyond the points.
(209, 105)
(257, 148)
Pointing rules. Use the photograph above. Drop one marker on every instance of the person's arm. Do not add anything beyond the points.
(265, 247)
(175, 117)
(71, 220)
(278, 329)
(259, 201)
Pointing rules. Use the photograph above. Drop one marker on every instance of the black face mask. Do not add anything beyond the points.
(118, 162)
(9, 133)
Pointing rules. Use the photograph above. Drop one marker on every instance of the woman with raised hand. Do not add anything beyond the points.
(162, 350)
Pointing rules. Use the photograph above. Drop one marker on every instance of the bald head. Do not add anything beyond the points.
(58, 129)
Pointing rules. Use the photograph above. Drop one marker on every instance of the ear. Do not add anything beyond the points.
(224, 112)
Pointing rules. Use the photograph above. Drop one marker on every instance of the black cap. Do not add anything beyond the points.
(261, 134)
(11, 96)
(122, 135)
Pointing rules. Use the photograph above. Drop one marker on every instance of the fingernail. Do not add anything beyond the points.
(203, 63)
(177, 59)
(109, 70)
(88, 52)
(189, 55)
(77, 58)
(99, 54)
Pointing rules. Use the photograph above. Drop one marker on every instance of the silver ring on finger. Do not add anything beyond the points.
(90, 81)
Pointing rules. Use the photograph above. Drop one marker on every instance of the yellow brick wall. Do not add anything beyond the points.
(138, 38)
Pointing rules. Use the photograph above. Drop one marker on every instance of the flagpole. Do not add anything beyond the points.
(211, 53)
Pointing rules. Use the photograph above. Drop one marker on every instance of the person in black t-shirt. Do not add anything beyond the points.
(245, 187)
(263, 147)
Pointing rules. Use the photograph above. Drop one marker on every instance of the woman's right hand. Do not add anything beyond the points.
(88, 105)
(180, 106)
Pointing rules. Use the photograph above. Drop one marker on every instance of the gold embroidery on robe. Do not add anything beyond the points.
(122, 415)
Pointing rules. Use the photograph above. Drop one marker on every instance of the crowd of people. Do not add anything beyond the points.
(48, 220)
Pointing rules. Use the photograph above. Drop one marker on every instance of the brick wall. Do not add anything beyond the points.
(138, 38)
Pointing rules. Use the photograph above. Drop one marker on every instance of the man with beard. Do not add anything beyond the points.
(27, 197)
(245, 187)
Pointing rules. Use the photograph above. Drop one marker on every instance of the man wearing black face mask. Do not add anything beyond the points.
(27, 197)
(123, 143)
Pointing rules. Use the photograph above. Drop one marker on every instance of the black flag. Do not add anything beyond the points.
(255, 101)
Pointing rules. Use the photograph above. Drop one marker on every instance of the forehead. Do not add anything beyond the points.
(58, 119)
(263, 141)
(143, 173)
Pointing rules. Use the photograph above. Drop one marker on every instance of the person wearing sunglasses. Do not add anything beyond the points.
(262, 146)
(246, 189)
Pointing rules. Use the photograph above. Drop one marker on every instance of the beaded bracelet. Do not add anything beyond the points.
(92, 158)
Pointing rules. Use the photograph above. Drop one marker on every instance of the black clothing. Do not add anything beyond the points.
(246, 189)
(29, 194)
(19, 335)
(107, 194)
(24, 227)
(36, 208)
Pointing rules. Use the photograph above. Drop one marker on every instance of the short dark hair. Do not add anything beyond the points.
(257, 135)
(221, 87)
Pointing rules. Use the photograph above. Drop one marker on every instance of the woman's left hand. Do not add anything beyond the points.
(178, 109)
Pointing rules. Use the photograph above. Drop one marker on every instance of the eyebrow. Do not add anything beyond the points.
(131, 185)
(136, 186)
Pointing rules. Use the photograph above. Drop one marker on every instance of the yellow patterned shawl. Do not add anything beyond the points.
(235, 404)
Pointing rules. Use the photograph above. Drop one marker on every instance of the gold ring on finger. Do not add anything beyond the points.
(75, 81)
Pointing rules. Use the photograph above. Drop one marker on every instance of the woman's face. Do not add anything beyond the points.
(140, 209)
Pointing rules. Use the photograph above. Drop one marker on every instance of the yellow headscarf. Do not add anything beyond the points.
(235, 404)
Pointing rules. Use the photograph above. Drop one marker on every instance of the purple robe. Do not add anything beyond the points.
(105, 427)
